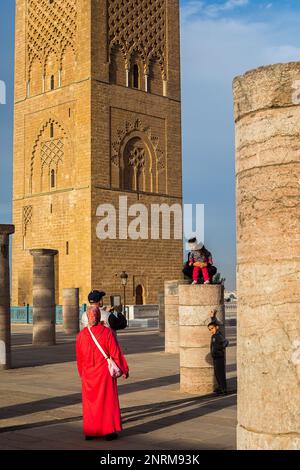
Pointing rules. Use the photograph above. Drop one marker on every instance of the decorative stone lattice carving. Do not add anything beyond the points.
(51, 28)
(139, 26)
(48, 153)
(52, 153)
(137, 157)
(27, 218)
(130, 128)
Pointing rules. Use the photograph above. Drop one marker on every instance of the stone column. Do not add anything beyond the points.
(172, 316)
(43, 286)
(197, 302)
(5, 332)
(267, 115)
(161, 303)
(71, 311)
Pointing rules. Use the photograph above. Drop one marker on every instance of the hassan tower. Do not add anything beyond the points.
(97, 116)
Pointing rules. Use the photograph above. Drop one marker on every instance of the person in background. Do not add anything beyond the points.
(108, 318)
(217, 349)
(100, 401)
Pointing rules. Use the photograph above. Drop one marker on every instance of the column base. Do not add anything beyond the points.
(250, 440)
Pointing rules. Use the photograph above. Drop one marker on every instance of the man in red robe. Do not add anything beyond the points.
(100, 401)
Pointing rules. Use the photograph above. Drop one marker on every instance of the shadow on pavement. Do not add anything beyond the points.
(198, 406)
(48, 404)
(26, 355)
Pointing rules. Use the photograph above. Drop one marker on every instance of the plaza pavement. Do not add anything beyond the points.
(40, 400)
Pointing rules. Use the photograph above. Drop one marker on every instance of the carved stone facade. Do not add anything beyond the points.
(137, 43)
(51, 43)
(138, 161)
(97, 116)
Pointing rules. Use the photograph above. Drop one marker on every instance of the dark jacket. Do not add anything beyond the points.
(218, 345)
(117, 321)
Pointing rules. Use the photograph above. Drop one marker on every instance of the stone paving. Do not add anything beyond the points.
(40, 400)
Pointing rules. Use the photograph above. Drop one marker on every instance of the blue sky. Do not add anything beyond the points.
(220, 39)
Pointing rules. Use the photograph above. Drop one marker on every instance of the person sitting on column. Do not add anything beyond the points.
(108, 317)
(217, 349)
(200, 259)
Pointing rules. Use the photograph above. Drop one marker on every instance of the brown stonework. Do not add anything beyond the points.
(83, 138)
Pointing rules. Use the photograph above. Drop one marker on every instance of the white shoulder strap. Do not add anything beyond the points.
(97, 344)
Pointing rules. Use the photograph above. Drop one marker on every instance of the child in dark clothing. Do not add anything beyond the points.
(217, 349)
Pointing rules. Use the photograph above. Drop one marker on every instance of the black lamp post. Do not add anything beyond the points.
(124, 279)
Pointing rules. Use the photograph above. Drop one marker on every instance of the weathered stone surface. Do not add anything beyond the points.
(268, 273)
(200, 315)
(248, 440)
(195, 312)
(71, 310)
(204, 295)
(192, 357)
(161, 303)
(172, 315)
(194, 337)
(43, 289)
(197, 380)
(265, 88)
(5, 329)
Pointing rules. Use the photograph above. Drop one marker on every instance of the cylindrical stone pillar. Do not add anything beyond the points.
(172, 316)
(161, 304)
(267, 115)
(197, 302)
(5, 331)
(71, 311)
(43, 286)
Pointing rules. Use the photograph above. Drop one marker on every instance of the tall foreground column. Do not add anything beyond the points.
(172, 316)
(267, 115)
(43, 286)
(196, 304)
(71, 311)
(5, 360)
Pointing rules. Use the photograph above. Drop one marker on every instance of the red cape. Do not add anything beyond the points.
(100, 401)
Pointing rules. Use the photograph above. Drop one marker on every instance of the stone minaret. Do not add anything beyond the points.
(97, 116)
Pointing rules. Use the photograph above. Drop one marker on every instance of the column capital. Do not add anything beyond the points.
(43, 252)
(7, 229)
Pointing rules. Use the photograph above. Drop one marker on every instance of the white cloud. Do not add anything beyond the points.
(229, 5)
(195, 8)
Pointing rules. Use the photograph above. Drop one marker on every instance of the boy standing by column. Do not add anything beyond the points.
(217, 349)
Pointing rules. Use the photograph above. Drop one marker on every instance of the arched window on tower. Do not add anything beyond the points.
(136, 77)
(52, 82)
(51, 130)
(136, 172)
(52, 179)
